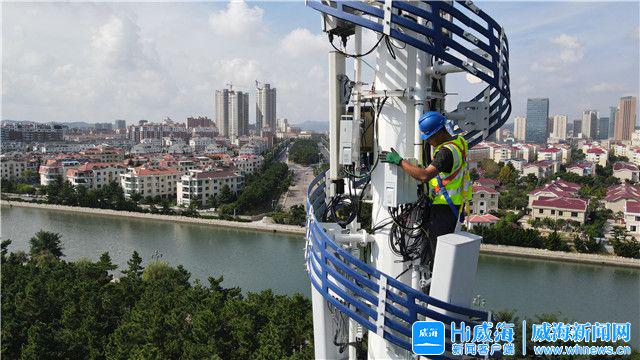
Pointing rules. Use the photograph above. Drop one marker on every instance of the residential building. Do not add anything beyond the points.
(603, 128)
(151, 181)
(555, 189)
(201, 185)
(221, 104)
(589, 124)
(484, 200)
(583, 168)
(618, 195)
(559, 129)
(103, 154)
(474, 220)
(232, 112)
(487, 182)
(597, 155)
(265, 108)
(95, 175)
(626, 171)
(120, 124)
(201, 121)
(541, 169)
(613, 111)
(632, 217)
(198, 144)
(577, 129)
(550, 154)
(626, 118)
(248, 164)
(14, 166)
(537, 117)
(32, 132)
(519, 128)
(558, 208)
(53, 169)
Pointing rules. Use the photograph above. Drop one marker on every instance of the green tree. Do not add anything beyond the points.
(624, 244)
(226, 196)
(304, 151)
(45, 242)
(135, 268)
(554, 242)
(508, 175)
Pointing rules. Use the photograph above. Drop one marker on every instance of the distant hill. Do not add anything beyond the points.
(71, 125)
(318, 126)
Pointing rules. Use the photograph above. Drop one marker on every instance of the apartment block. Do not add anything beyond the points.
(151, 181)
(201, 185)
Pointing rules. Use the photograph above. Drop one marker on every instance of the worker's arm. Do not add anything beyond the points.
(418, 173)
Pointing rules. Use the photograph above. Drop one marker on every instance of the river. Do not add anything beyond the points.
(255, 261)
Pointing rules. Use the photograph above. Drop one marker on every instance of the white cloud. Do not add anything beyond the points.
(567, 50)
(604, 87)
(301, 42)
(238, 20)
(571, 50)
(241, 72)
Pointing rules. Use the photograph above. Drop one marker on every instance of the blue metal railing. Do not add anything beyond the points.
(354, 287)
(457, 32)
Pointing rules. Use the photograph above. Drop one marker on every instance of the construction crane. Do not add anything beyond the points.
(367, 282)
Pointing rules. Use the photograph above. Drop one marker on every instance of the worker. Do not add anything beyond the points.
(447, 177)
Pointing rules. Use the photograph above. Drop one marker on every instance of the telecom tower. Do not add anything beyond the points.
(372, 283)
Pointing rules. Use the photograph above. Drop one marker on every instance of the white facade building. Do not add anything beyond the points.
(201, 185)
(151, 182)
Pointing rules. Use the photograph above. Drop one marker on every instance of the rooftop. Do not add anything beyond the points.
(564, 203)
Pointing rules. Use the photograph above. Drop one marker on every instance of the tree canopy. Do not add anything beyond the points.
(61, 309)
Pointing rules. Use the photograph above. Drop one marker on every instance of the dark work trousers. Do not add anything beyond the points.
(440, 221)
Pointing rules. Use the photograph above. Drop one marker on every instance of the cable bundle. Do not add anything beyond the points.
(408, 237)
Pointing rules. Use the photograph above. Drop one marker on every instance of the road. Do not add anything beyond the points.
(297, 193)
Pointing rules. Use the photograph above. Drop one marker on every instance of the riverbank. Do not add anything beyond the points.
(254, 225)
(499, 250)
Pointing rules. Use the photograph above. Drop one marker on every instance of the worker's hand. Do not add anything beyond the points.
(391, 157)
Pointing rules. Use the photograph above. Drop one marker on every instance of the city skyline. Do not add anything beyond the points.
(147, 61)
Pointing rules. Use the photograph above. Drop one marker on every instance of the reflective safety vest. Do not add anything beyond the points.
(455, 185)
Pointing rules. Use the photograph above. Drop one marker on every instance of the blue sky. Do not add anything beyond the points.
(103, 61)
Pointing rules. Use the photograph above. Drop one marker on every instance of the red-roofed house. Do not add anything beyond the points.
(95, 175)
(583, 168)
(632, 217)
(490, 183)
(617, 196)
(151, 181)
(541, 169)
(560, 208)
(626, 171)
(597, 155)
(484, 200)
(550, 154)
(556, 188)
(201, 185)
(486, 219)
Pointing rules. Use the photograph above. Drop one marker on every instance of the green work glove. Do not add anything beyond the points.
(391, 157)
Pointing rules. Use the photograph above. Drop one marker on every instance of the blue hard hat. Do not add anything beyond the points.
(430, 123)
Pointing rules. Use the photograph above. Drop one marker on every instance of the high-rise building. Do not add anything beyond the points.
(626, 118)
(590, 124)
(613, 110)
(537, 118)
(265, 107)
(577, 128)
(519, 126)
(238, 114)
(603, 128)
(559, 127)
(221, 101)
(120, 124)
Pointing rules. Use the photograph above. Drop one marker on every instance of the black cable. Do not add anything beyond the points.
(355, 55)
(390, 47)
